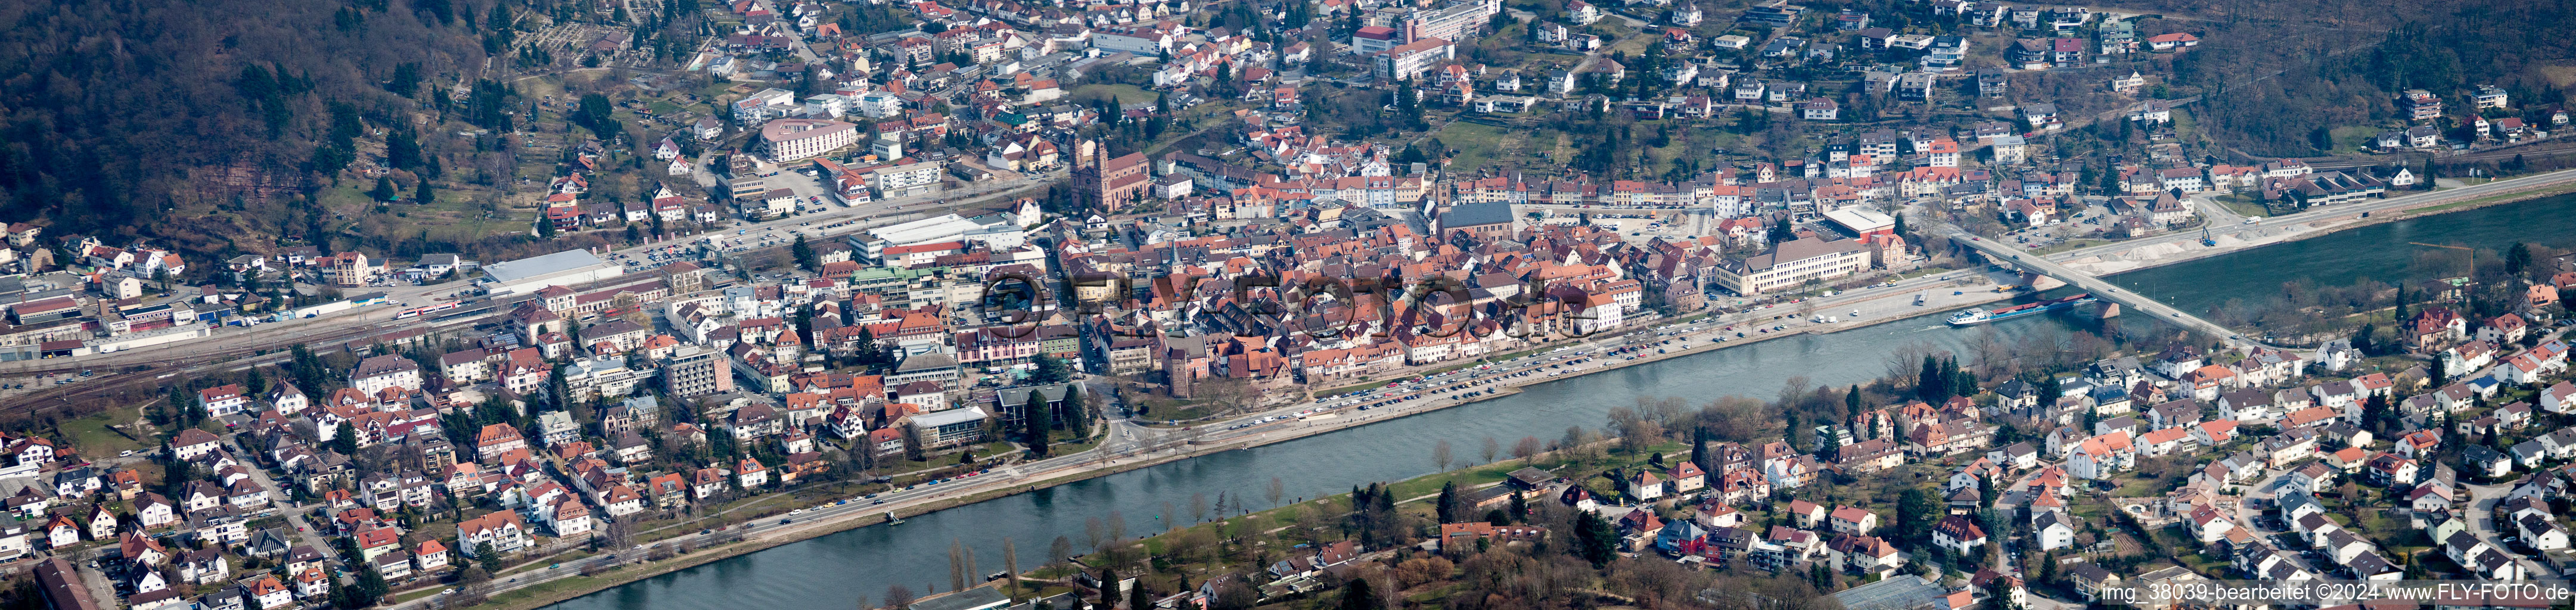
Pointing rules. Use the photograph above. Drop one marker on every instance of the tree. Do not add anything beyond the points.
(344, 439)
(1525, 448)
(898, 597)
(1916, 510)
(1011, 567)
(1275, 491)
(368, 589)
(804, 253)
(1051, 370)
(912, 449)
(957, 570)
(1489, 448)
(1077, 412)
(488, 556)
(1059, 551)
(1440, 454)
(1595, 541)
(1449, 502)
(384, 191)
(1358, 596)
(1797, 442)
(1851, 405)
(1035, 414)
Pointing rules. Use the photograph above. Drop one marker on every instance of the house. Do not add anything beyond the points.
(2176, 41)
(1958, 534)
(1820, 109)
(1849, 520)
(2208, 526)
(1856, 553)
(2090, 579)
(1807, 515)
(2054, 530)
(2485, 461)
(1644, 485)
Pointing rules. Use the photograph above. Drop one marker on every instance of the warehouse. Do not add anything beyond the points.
(566, 268)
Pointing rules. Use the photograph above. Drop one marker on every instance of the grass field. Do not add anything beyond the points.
(92, 436)
(1127, 94)
(2351, 139)
(2242, 204)
(1482, 146)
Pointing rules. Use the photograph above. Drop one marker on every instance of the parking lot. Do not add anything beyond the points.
(1647, 226)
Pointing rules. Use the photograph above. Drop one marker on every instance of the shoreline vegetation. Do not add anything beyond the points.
(550, 593)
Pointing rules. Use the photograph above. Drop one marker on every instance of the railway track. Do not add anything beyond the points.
(126, 378)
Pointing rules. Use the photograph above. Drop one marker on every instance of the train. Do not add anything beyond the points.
(424, 310)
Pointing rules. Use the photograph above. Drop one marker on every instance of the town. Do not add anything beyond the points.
(643, 286)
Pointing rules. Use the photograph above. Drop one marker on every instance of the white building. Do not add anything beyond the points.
(792, 139)
(904, 180)
(566, 268)
(1791, 264)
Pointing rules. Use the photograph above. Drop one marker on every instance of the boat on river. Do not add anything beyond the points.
(1981, 315)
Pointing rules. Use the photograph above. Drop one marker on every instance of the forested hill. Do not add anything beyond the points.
(2282, 76)
(140, 118)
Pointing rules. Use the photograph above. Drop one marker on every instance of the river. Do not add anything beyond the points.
(832, 571)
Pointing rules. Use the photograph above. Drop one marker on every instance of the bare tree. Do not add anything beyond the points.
(1275, 491)
(898, 597)
(956, 565)
(1440, 455)
(1011, 567)
(1198, 507)
(1526, 448)
(1097, 532)
(1490, 448)
(1117, 527)
(1906, 362)
(1059, 551)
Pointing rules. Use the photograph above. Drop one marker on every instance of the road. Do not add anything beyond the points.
(2273, 225)
(2482, 504)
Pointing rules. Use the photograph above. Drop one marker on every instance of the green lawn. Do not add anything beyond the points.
(1481, 146)
(93, 438)
(2242, 204)
(2351, 139)
(1127, 94)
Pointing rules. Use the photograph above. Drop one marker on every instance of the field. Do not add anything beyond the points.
(1127, 94)
(1483, 146)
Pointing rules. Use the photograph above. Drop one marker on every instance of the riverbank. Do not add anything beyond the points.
(2239, 239)
(1940, 296)
(1879, 308)
(1897, 300)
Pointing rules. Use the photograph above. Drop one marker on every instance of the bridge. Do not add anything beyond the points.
(2032, 263)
